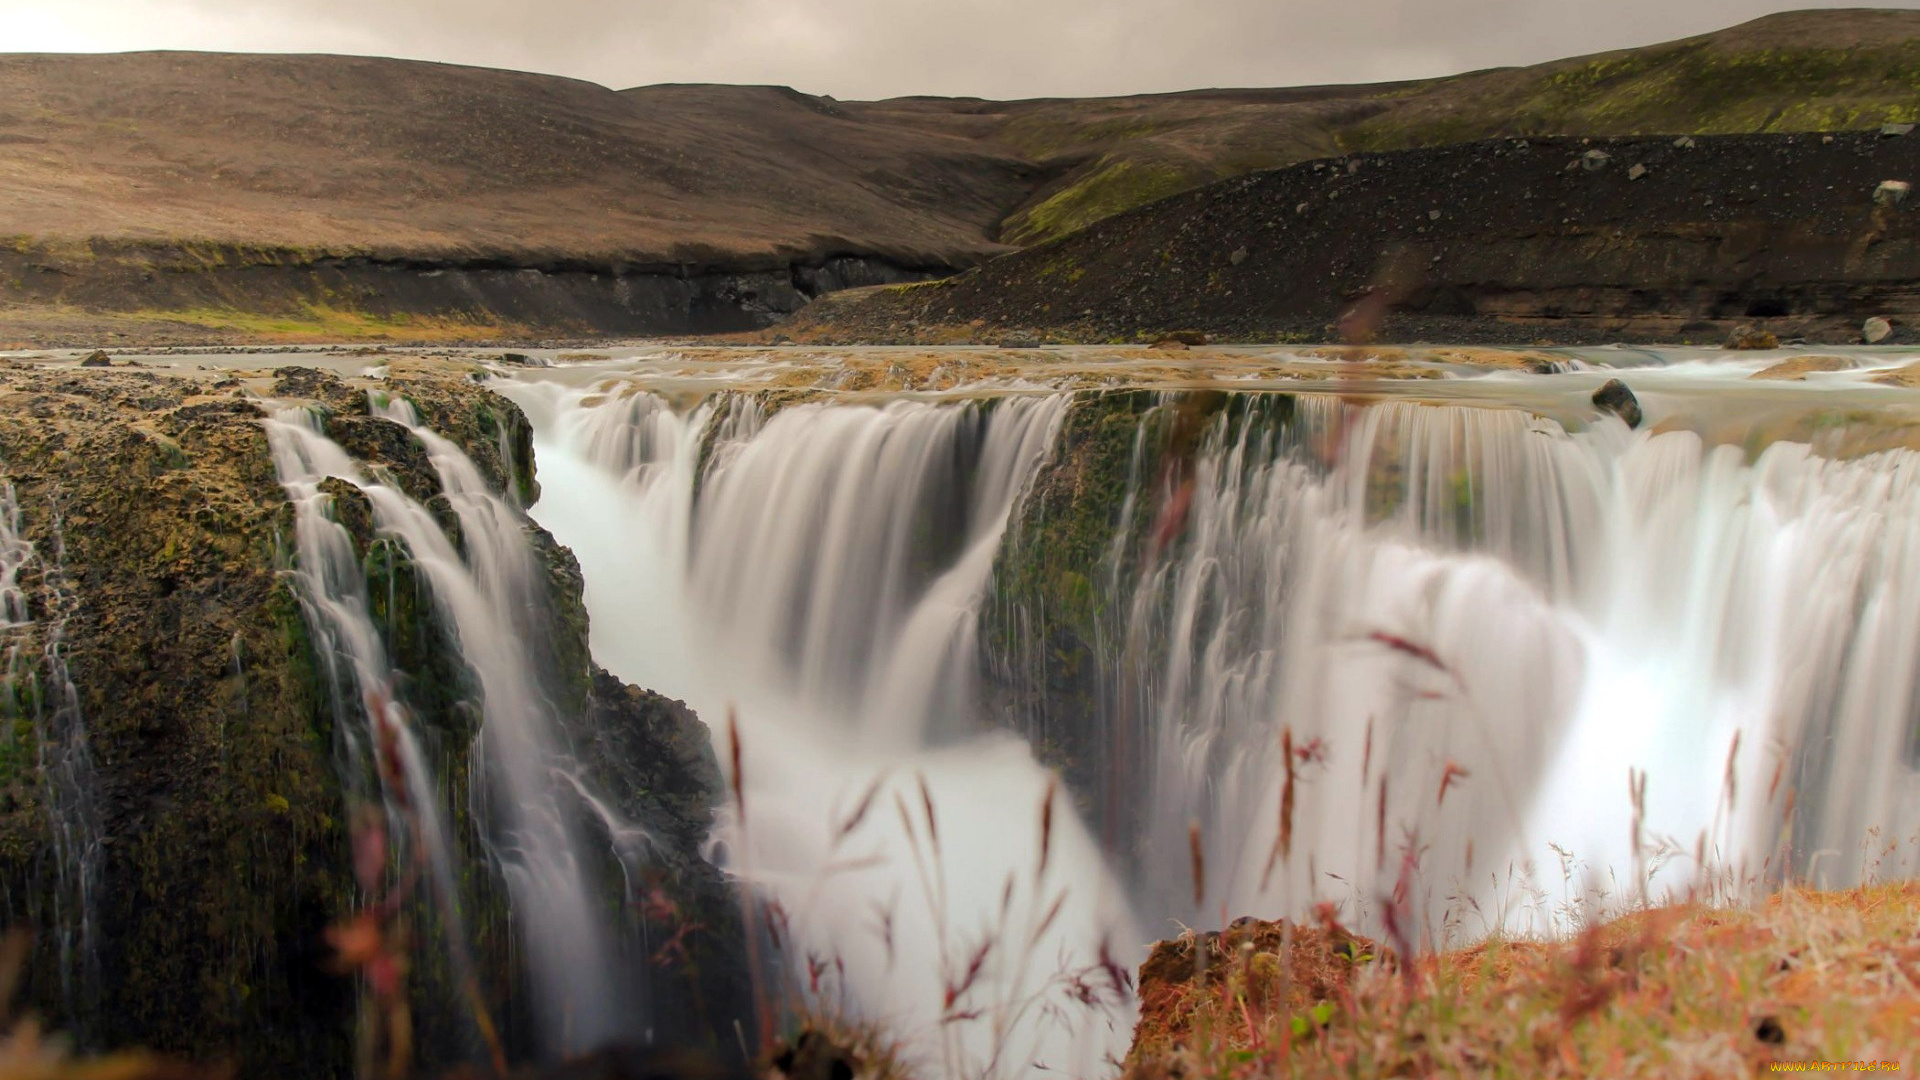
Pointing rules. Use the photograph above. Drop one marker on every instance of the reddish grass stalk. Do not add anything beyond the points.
(1199, 867)
(749, 924)
(1283, 841)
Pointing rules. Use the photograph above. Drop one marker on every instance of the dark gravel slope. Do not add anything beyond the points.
(1560, 239)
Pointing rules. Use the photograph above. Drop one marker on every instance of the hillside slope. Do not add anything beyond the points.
(1795, 71)
(351, 196)
(1527, 240)
(381, 157)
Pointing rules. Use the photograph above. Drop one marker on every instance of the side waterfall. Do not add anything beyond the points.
(527, 790)
(41, 688)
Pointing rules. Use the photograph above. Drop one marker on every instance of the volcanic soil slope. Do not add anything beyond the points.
(1559, 240)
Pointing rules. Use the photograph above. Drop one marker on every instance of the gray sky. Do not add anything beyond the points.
(881, 48)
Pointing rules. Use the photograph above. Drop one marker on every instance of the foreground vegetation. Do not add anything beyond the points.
(1687, 990)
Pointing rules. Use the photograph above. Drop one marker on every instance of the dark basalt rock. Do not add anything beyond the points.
(1614, 397)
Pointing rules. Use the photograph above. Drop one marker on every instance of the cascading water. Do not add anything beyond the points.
(1472, 625)
(819, 580)
(42, 687)
(1489, 670)
(528, 789)
(333, 594)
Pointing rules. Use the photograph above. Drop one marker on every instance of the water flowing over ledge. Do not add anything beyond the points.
(1481, 668)
(527, 788)
(40, 689)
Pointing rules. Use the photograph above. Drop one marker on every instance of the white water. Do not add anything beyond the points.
(1524, 615)
(333, 594)
(1600, 602)
(529, 793)
(797, 593)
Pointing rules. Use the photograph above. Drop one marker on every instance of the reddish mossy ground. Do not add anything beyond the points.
(1682, 991)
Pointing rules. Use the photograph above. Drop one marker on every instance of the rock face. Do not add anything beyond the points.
(1614, 397)
(250, 291)
(1749, 336)
(160, 538)
(223, 848)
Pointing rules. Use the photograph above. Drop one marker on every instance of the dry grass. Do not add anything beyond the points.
(1688, 990)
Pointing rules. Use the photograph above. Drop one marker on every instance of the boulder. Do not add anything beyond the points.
(1019, 341)
(97, 359)
(1749, 336)
(1799, 367)
(1891, 192)
(1876, 330)
(1637, 172)
(1614, 397)
(1894, 131)
(1595, 160)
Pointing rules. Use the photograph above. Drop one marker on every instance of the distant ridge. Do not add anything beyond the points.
(198, 184)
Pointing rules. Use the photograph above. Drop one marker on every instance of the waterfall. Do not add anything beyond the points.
(45, 691)
(1475, 626)
(528, 790)
(1484, 669)
(817, 575)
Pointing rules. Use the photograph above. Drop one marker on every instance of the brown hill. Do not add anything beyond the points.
(351, 155)
(321, 191)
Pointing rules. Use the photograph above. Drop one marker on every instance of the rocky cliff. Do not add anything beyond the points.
(178, 832)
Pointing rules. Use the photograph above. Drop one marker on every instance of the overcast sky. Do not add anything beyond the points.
(881, 48)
